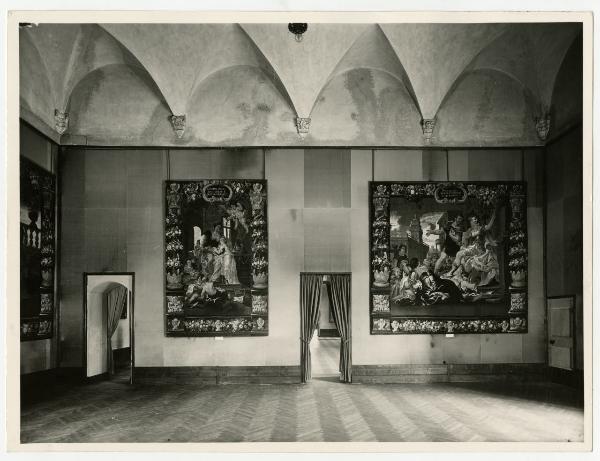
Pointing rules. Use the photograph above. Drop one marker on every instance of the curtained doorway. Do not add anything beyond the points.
(109, 347)
(325, 357)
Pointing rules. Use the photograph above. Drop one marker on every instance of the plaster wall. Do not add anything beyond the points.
(113, 220)
(476, 165)
(564, 262)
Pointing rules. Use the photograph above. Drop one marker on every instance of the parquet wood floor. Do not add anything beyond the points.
(322, 410)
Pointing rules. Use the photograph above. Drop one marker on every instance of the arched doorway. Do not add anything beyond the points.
(108, 326)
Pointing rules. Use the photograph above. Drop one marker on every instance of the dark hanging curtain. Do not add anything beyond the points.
(310, 295)
(339, 289)
(116, 300)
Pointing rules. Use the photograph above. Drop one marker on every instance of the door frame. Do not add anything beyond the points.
(572, 326)
(131, 321)
(323, 274)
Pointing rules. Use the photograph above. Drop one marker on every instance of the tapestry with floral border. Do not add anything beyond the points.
(448, 257)
(37, 251)
(216, 258)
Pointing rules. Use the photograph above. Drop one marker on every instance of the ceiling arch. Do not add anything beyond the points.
(180, 56)
(304, 67)
(118, 101)
(36, 93)
(93, 50)
(109, 69)
(494, 108)
(55, 43)
(239, 105)
(434, 55)
(511, 54)
(363, 106)
(260, 62)
(69, 52)
(528, 95)
(549, 47)
(372, 50)
(530, 55)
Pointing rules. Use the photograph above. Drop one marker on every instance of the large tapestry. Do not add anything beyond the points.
(37, 224)
(216, 258)
(448, 257)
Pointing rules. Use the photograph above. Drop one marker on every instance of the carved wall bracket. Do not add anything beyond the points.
(61, 121)
(302, 125)
(428, 125)
(542, 126)
(178, 123)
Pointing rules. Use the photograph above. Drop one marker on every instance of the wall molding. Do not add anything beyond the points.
(449, 373)
(290, 374)
(440, 373)
(92, 141)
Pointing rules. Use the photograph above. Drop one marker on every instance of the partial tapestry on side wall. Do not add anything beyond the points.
(216, 258)
(448, 257)
(37, 224)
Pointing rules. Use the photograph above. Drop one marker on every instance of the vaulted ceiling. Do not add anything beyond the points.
(254, 84)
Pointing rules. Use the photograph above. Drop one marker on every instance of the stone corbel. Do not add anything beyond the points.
(302, 125)
(428, 125)
(61, 121)
(542, 126)
(178, 123)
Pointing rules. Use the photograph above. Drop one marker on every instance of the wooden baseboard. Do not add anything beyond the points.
(427, 373)
(571, 378)
(218, 375)
(447, 373)
(50, 377)
(37, 380)
(35, 386)
(434, 373)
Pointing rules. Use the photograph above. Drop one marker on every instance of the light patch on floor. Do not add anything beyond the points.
(325, 356)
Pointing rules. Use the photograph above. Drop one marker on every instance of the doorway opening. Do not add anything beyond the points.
(325, 343)
(325, 326)
(109, 347)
